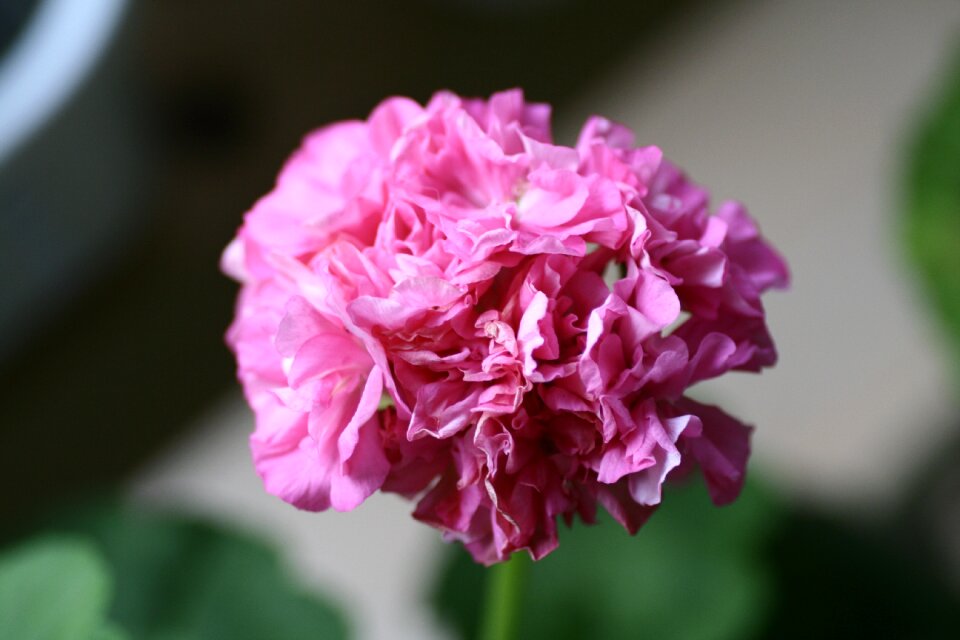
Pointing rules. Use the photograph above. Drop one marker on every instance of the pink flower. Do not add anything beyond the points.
(441, 302)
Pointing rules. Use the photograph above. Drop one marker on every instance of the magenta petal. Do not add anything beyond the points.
(617, 501)
(363, 466)
(645, 485)
(366, 409)
(281, 448)
(528, 334)
(443, 409)
(721, 450)
(388, 121)
(748, 249)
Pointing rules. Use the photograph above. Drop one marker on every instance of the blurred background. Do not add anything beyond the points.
(134, 134)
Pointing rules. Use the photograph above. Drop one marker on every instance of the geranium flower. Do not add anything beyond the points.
(441, 302)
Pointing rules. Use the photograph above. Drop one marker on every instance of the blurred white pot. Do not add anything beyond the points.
(70, 165)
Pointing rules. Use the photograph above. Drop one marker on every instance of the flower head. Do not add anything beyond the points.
(442, 303)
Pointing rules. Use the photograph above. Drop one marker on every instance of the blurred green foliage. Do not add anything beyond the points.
(55, 588)
(692, 573)
(173, 577)
(755, 569)
(932, 211)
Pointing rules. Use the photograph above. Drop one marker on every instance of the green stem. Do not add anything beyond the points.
(502, 608)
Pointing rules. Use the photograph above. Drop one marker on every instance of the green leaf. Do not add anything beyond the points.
(691, 573)
(932, 216)
(54, 589)
(178, 578)
(109, 632)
